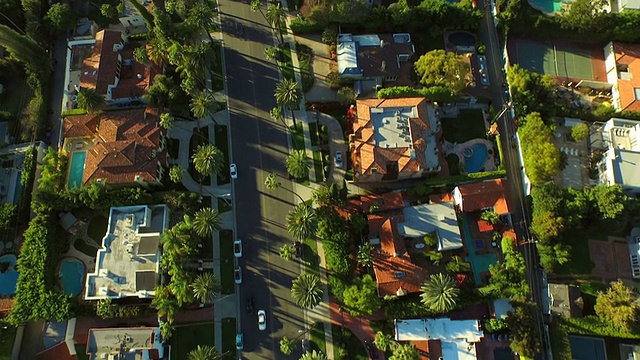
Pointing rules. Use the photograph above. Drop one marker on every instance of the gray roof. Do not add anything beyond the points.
(146, 280)
(426, 218)
(626, 168)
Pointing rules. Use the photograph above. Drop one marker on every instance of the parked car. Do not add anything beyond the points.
(237, 248)
(262, 320)
(249, 305)
(233, 170)
(240, 341)
(339, 159)
(371, 349)
(306, 346)
(237, 275)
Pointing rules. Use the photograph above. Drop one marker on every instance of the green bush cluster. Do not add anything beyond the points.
(406, 307)
(433, 93)
(425, 187)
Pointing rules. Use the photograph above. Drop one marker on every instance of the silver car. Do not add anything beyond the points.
(262, 320)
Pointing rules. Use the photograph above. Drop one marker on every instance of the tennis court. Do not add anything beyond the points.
(548, 59)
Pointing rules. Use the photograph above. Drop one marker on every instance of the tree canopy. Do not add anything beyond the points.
(620, 305)
(441, 68)
(542, 158)
(61, 17)
(362, 297)
(525, 330)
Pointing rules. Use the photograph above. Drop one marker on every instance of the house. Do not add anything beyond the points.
(457, 338)
(395, 139)
(420, 220)
(622, 62)
(479, 196)
(623, 5)
(57, 341)
(128, 263)
(375, 60)
(564, 300)
(119, 148)
(112, 71)
(131, 19)
(13, 159)
(126, 343)
(621, 155)
(395, 272)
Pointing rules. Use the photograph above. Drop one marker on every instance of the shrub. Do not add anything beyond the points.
(301, 25)
(405, 308)
(495, 325)
(431, 239)
(434, 93)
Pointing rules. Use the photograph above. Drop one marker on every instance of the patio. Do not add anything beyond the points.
(576, 173)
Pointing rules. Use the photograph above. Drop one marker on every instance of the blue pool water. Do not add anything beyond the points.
(76, 169)
(479, 263)
(548, 6)
(72, 276)
(9, 279)
(476, 161)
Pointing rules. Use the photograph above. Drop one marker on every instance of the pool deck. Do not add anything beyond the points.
(480, 259)
(458, 150)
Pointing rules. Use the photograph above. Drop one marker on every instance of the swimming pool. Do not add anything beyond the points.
(9, 278)
(72, 273)
(547, 6)
(474, 162)
(479, 263)
(76, 169)
(462, 38)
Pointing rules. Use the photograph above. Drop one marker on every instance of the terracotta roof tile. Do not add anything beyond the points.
(485, 194)
(126, 145)
(368, 155)
(100, 69)
(79, 126)
(440, 198)
(484, 226)
(392, 264)
(384, 202)
(628, 54)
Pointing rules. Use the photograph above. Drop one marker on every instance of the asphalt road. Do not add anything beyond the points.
(506, 124)
(259, 148)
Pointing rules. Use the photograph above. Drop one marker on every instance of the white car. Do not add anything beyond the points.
(233, 170)
(237, 275)
(262, 320)
(237, 248)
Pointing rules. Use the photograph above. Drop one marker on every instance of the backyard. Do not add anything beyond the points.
(578, 239)
(188, 337)
(468, 125)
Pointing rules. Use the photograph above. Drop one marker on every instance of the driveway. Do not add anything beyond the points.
(336, 143)
(321, 65)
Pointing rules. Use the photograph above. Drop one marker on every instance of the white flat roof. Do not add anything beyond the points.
(346, 53)
(438, 329)
(391, 126)
(422, 219)
(626, 168)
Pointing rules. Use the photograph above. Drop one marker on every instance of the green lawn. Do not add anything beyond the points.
(188, 337)
(468, 125)
(97, 228)
(305, 55)
(286, 65)
(227, 283)
(297, 136)
(222, 143)
(313, 133)
(229, 337)
(15, 97)
(7, 337)
(200, 137)
(82, 246)
(317, 165)
(311, 257)
(217, 81)
(316, 337)
(580, 262)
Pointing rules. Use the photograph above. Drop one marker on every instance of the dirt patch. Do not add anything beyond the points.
(611, 259)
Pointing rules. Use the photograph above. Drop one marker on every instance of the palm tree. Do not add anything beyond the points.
(166, 120)
(277, 18)
(206, 221)
(203, 105)
(201, 15)
(277, 115)
(440, 293)
(91, 100)
(165, 303)
(205, 352)
(297, 164)
(306, 291)
(205, 287)
(180, 286)
(384, 341)
(314, 355)
(364, 255)
(287, 251)
(208, 159)
(272, 184)
(157, 50)
(288, 95)
(301, 221)
(271, 53)
(175, 174)
(256, 6)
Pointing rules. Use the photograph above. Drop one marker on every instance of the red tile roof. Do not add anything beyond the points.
(101, 68)
(106, 66)
(59, 351)
(368, 155)
(392, 264)
(126, 145)
(80, 126)
(384, 202)
(484, 226)
(628, 54)
(482, 195)
(440, 198)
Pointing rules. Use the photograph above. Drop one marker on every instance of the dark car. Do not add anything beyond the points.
(250, 305)
(371, 349)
